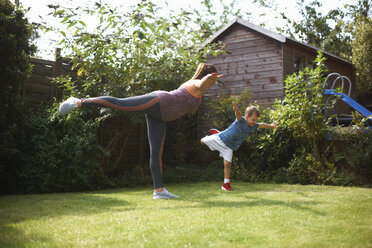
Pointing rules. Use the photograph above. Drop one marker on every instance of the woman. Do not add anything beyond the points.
(159, 107)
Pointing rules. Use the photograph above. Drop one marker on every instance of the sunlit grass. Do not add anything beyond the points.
(254, 215)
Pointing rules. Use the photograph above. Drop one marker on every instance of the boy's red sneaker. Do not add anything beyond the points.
(226, 187)
(213, 131)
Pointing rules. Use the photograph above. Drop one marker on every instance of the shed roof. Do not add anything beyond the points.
(275, 36)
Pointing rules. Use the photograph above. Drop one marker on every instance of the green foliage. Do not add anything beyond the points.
(362, 53)
(222, 112)
(303, 111)
(264, 153)
(181, 143)
(128, 53)
(299, 150)
(306, 169)
(357, 157)
(61, 154)
(303, 105)
(327, 32)
(15, 50)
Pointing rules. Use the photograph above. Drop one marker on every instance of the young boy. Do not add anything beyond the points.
(231, 138)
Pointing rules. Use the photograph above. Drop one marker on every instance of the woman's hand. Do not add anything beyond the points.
(214, 76)
(208, 80)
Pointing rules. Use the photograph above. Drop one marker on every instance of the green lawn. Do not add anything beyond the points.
(254, 215)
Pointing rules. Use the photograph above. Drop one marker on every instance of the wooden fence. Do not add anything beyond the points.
(38, 88)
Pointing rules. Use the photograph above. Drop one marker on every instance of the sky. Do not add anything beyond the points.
(47, 42)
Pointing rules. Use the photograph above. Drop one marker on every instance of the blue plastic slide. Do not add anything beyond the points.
(350, 101)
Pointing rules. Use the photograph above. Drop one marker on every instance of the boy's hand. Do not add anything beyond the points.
(235, 107)
(275, 124)
(238, 114)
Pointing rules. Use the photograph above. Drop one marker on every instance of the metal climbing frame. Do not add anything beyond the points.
(339, 77)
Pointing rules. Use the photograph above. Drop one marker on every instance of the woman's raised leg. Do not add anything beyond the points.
(148, 103)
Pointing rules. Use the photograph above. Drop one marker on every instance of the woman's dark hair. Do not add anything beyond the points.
(203, 70)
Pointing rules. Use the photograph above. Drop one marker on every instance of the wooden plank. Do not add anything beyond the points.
(261, 81)
(253, 50)
(252, 43)
(37, 88)
(250, 76)
(244, 37)
(264, 87)
(255, 95)
(237, 58)
(42, 69)
(258, 68)
(37, 79)
(35, 98)
(268, 94)
(252, 69)
(253, 88)
(241, 33)
(41, 61)
(251, 62)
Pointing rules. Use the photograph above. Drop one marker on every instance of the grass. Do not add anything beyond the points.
(254, 215)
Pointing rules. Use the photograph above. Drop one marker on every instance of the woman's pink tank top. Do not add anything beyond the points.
(176, 103)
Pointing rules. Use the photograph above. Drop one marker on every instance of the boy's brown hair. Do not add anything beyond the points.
(252, 110)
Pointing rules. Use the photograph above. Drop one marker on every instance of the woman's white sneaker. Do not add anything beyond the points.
(163, 195)
(67, 105)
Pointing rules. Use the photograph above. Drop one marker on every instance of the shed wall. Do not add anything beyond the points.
(251, 60)
(290, 50)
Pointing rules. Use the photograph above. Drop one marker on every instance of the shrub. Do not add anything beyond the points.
(15, 49)
(61, 154)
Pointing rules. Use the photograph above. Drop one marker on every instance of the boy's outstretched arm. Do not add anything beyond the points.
(265, 125)
(238, 114)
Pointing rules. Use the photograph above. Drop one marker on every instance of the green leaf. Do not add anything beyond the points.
(141, 35)
(80, 72)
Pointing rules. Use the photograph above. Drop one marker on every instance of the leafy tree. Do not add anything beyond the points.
(15, 50)
(303, 105)
(361, 45)
(362, 54)
(125, 54)
(326, 32)
(128, 53)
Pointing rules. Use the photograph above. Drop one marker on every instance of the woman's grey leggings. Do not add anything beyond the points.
(156, 128)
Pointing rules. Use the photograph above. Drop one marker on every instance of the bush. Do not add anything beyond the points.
(61, 154)
(15, 50)
(264, 152)
(299, 151)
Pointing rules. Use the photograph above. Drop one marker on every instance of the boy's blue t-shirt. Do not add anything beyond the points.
(236, 133)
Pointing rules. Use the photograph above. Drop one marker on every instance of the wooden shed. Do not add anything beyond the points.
(261, 59)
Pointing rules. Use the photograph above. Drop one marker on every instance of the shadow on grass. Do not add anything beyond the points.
(245, 198)
(19, 208)
(15, 209)
(54, 205)
(14, 237)
(305, 206)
